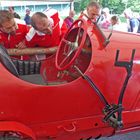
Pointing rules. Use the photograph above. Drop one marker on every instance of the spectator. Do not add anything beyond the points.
(115, 24)
(27, 17)
(114, 20)
(69, 19)
(12, 34)
(139, 24)
(91, 13)
(11, 10)
(46, 31)
(132, 22)
(105, 22)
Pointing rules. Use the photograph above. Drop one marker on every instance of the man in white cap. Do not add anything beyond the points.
(27, 17)
(132, 22)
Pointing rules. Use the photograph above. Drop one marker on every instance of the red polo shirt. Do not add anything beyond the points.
(9, 41)
(35, 38)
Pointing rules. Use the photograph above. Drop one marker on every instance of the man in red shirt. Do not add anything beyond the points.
(12, 33)
(47, 29)
(91, 13)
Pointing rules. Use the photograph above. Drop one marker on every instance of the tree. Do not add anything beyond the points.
(134, 5)
(116, 6)
(80, 5)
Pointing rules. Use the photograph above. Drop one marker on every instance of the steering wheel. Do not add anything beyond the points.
(7, 62)
(71, 45)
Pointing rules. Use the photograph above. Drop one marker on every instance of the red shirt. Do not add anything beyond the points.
(35, 38)
(9, 41)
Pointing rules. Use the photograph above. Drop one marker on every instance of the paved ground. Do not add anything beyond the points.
(128, 136)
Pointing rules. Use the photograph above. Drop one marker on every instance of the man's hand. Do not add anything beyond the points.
(21, 45)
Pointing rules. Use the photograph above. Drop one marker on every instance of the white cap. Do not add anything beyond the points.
(127, 11)
(28, 9)
(106, 10)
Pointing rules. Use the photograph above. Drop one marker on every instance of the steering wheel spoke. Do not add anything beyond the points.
(71, 45)
(67, 57)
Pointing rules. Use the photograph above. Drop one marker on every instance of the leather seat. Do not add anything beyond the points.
(7, 62)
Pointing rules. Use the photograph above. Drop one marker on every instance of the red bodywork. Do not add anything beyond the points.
(70, 109)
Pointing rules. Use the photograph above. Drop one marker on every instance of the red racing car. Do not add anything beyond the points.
(90, 88)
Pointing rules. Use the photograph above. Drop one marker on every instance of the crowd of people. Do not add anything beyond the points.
(46, 29)
(132, 22)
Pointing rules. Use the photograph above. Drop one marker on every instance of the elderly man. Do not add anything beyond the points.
(132, 22)
(70, 19)
(47, 30)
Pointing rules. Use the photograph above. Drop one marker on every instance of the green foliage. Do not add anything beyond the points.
(80, 5)
(116, 6)
(123, 19)
(134, 5)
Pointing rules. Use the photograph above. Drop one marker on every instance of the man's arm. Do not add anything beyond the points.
(31, 51)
